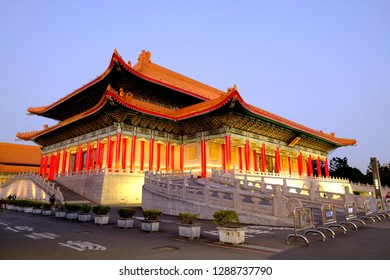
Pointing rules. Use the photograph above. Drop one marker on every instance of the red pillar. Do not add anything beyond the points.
(310, 165)
(277, 160)
(41, 165)
(64, 158)
(109, 152)
(151, 150)
(326, 167)
(142, 154)
(173, 158)
(319, 172)
(118, 149)
(228, 152)
(203, 158)
(132, 153)
(51, 169)
(44, 167)
(223, 146)
(240, 158)
(255, 160)
(263, 159)
(98, 151)
(300, 164)
(88, 162)
(289, 166)
(158, 156)
(182, 157)
(124, 148)
(93, 155)
(70, 163)
(79, 157)
(57, 161)
(167, 156)
(247, 152)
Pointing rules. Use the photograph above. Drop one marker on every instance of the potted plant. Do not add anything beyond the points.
(19, 205)
(125, 219)
(101, 214)
(150, 222)
(28, 206)
(8, 204)
(71, 211)
(60, 211)
(85, 213)
(37, 208)
(46, 208)
(188, 227)
(229, 228)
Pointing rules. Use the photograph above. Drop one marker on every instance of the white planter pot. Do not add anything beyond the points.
(102, 219)
(28, 209)
(150, 226)
(71, 215)
(232, 235)
(9, 206)
(189, 231)
(37, 211)
(46, 212)
(84, 217)
(21, 209)
(60, 214)
(125, 222)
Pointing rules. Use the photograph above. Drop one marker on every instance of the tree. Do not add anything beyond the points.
(384, 174)
(338, 167)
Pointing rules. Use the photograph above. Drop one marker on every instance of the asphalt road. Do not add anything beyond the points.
(35, 237)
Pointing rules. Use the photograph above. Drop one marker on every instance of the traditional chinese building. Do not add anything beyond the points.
(145, 117)
(16, 158)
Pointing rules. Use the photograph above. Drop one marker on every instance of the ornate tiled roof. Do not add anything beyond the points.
(210, 99)
(206, 107)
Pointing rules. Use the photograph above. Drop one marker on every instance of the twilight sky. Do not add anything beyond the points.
(324, 64)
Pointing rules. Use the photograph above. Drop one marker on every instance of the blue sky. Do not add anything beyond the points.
(324, 64)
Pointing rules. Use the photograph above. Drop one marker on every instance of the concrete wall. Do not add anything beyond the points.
(106, 188)
(24, 189)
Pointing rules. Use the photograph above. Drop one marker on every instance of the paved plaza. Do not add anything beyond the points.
(35, 237)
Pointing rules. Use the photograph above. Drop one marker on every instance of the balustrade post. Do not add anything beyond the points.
(245, 181)
(277, 202)
(206, 191)
(313, 191)
(284, 187)
(236, 195)
(185, 185)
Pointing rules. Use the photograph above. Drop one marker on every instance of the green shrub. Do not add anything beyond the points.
(37, 204)
(225, 217)
(151, 214)
(72, 207)
(101, 209)
(188, 218)
(59, 206)
(126, 213)
(85, 208)
(46, 205)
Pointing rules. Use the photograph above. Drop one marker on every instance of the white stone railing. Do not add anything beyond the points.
(258, 174)
(309, 192)
(47, 186)
(98, 171)
(221, 197)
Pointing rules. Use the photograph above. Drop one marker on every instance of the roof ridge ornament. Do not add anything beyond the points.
(232, 89)
(144, 57)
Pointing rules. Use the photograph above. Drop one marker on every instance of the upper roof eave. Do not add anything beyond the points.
(117, 58)
(192, 111)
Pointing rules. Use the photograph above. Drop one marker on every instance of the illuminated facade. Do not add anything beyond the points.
(146, 117)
